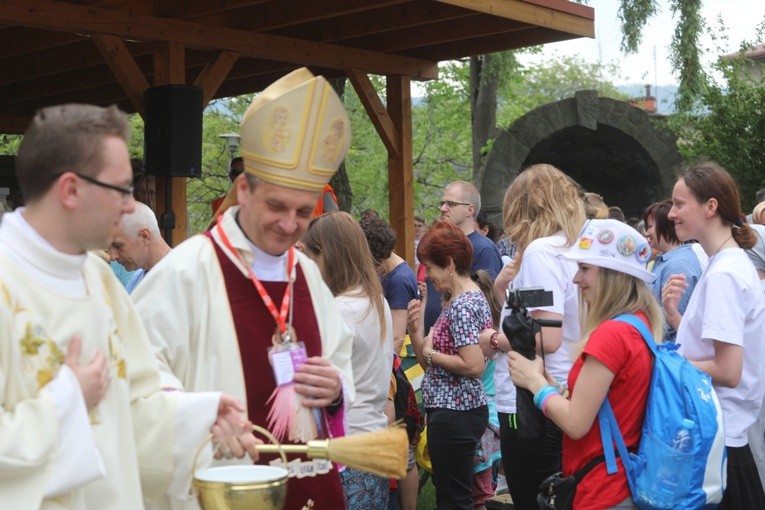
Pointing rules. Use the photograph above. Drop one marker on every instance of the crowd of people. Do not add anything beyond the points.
(288, 314)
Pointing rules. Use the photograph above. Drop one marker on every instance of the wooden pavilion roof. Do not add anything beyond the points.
(109, 51)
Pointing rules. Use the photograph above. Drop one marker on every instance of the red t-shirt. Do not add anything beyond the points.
(620, 348)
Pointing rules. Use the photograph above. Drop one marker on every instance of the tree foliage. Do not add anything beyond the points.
(727, 122)
(685, 51)
(441, 142)
(443, 122)
(221, 116)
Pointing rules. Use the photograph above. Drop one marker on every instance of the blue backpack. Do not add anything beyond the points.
(681, 461)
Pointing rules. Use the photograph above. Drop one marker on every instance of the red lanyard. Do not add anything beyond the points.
(279, 316)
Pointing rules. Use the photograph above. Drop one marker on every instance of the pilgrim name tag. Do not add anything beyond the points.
(285, 360)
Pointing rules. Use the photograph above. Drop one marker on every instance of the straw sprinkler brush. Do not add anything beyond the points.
(384, 452)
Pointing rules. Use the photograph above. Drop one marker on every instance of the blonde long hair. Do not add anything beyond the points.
(338, 245)
(541, 201)
(617, 293)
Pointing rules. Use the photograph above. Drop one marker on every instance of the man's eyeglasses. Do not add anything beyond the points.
(450, 204)
(125, 192)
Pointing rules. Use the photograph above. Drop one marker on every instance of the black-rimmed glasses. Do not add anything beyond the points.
(450, 204)
(125, 192)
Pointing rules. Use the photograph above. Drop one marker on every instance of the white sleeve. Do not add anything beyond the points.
(195, 415)
(543, 269)
(77, 460)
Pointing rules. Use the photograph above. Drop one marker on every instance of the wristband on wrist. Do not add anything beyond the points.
(543, 392)
(545, 400)
(493, 342)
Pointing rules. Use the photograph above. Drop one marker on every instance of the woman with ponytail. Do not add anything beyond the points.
(721, 331)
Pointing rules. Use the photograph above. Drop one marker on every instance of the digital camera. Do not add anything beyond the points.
(531, 297)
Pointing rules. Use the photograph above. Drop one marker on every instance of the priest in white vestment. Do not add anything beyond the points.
(205, 305)
(83, 422)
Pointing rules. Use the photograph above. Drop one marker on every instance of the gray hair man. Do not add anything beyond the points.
(460, 204)
(139, 245)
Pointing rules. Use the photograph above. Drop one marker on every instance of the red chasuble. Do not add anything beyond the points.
(255, 327)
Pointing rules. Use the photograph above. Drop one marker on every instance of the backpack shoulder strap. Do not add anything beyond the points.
(610, 435)
(609, 427)
(641, 327)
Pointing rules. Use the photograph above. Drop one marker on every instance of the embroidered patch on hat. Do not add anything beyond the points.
(643, 253)
(626, 245)
(605, 236)
(585, 241)
(277, 134)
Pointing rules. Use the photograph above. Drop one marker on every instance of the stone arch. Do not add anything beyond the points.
(607, 145)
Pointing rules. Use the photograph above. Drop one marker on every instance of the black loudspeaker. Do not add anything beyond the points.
(173, 130)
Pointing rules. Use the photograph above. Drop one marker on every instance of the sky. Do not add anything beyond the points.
(651, 63)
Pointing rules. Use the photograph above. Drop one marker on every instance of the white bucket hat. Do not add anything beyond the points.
(613, 245)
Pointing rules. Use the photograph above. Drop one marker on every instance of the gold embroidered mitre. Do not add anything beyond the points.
(296, 132)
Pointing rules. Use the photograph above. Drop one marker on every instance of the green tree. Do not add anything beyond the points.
(221, 116)
(727, 123)
(9, 144)
(685, 51)
(446, 118)
(441, 143)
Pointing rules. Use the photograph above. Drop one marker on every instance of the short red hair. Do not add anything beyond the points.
(444, 241)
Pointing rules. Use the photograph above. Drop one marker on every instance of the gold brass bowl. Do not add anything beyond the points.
(241, 487)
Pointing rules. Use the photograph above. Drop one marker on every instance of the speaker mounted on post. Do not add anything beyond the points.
(173, 130)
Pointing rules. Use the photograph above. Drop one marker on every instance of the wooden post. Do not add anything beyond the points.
(169, 68)
(401, 166)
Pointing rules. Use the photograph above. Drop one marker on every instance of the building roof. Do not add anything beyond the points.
(110, 51)
(755, 53)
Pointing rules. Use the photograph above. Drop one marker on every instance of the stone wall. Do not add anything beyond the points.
(608, 146)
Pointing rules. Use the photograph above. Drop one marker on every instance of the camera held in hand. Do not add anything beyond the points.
(531, 297)
(519, 328)
(521, 331)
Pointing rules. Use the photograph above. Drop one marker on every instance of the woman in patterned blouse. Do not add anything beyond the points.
(451, 389)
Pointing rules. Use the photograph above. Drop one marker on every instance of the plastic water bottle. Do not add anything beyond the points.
(664, 490)
(682, 441)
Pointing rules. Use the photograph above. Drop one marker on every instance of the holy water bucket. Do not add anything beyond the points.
(241, 487)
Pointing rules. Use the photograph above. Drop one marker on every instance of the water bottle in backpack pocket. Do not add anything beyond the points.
(672, 478)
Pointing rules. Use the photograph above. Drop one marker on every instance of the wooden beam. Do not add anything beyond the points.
(68, 17)
(124, 67)
(375, 109)
(51, 62)
(275, 15)
(102, 95)
(170, 63)
(96, 85)
(439, 33)
(214, 73)
(401, 167)
(14, 125)
(385, 20)
(546, 14)
(23, 41)
(498, 42)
